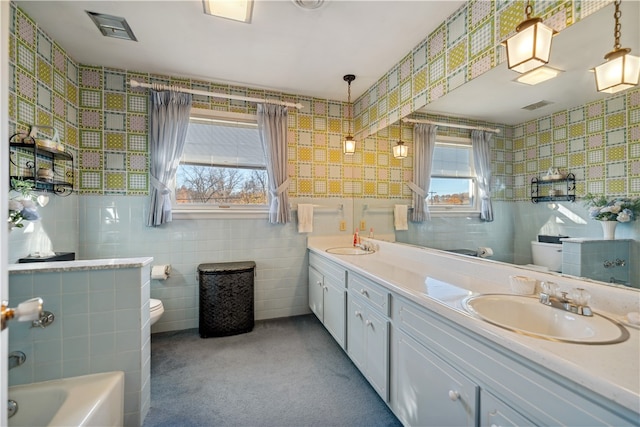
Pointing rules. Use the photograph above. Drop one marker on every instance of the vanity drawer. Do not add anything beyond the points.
(328, 268)
(375, 294)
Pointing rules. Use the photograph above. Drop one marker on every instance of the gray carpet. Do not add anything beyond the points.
(286, 372)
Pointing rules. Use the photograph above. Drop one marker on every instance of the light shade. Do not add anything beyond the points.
(238, 10)
(348, 145)
(400, 150)
(530, 47)
(621, 71)
(538, 75)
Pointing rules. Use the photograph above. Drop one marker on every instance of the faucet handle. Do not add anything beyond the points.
(549, 288)
(580, 297)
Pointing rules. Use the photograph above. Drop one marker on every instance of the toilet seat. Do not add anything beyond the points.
(155, 304)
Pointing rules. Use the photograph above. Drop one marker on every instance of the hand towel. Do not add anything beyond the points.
(400, 217)
(305, 218)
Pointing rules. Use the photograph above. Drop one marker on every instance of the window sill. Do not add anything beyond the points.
(447, 213)
(191, 214)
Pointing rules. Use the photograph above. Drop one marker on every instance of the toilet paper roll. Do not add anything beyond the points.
(160, 272)
(484, 252)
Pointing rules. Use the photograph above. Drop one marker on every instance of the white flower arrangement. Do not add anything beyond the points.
(618, 209)
(22, 207)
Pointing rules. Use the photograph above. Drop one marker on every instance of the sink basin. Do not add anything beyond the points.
(349, 250)
(526, 315)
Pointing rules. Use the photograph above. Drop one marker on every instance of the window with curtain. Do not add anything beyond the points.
(223, 164)
(453, 186)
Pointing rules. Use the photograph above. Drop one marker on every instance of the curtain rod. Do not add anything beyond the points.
(156, 86)
(451, 125)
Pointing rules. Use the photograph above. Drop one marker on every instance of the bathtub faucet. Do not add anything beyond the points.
(12, 408)
(16, 358)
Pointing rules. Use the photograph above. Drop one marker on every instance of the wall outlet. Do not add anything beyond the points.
(343, 225)
(363, 225)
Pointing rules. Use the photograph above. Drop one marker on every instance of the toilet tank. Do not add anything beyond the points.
(547, 255)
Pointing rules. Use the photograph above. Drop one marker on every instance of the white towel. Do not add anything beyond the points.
(305, 218)
(400, 217)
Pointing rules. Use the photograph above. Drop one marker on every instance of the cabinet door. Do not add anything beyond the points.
(355, 333)
(316, 284)
(430, 392)
(377, 352)
(334, 310)
(495, 413)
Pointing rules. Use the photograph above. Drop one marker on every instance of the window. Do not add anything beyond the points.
(453, 181)
(223, 164)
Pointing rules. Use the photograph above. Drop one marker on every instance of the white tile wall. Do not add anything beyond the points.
(98, 327)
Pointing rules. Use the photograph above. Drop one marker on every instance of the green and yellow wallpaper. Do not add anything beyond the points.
(103, 122)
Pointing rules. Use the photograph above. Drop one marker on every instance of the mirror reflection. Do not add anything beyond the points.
(575, 134)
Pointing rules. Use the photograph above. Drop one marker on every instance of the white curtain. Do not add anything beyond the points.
(481, 141)
(168, 124)
(424, 142)
(272, 126)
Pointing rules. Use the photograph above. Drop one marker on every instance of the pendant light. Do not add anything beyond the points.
(349, 144)
(400, 150)
(530, 47)
(620, 71)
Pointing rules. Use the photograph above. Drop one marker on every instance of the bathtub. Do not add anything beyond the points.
(88, 400)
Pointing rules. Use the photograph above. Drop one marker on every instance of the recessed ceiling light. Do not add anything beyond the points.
(112, 26)
(538, 75)
(237, 10)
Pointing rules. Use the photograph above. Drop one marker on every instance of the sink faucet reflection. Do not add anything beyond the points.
(578, 303)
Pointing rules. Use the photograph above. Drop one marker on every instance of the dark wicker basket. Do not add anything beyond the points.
(226, 298)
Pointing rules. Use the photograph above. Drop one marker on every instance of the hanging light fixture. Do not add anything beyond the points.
(530, 47)
(620, 71)
(400, 150)
(349, 144)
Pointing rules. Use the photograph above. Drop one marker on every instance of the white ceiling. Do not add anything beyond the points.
(284, 48)
(496, 98)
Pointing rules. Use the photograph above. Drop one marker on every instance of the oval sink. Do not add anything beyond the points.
(349, 250)
(526, 315)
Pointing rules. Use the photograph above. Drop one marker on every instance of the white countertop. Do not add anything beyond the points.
(439, 281)
(88, 264)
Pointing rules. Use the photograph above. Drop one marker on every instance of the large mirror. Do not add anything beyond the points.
(496, 99)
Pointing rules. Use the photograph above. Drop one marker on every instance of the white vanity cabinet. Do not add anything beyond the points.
(327, 295)
(428, 391)
(509, 389)
(368, 331)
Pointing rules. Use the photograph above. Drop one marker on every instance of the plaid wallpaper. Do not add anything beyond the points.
(103, 122)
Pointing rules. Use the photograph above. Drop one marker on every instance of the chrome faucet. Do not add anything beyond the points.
(578, 303)
(16, 358)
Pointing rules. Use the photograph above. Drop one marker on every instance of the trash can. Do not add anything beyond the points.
(226, 298)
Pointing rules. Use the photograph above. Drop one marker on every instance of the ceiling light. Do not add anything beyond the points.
(349, 144)
(620, 71)
(530, 47)
(308, 4)
(237, 10)
(400, 150)
(538, 75)
(112, 26)
(537, 105)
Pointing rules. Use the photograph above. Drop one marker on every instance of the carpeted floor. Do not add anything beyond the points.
(286, 372)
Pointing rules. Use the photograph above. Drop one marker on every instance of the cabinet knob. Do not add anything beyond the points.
(454, 395)
(369, 323)
(358, 314)
(319, 283)
(364, 292)
(326, 288)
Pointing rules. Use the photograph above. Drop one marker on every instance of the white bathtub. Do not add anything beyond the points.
(88, 400)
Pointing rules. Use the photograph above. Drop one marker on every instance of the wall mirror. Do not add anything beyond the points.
(496, 98)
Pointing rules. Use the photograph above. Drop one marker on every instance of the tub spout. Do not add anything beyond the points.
(16, 358)
(12, 408)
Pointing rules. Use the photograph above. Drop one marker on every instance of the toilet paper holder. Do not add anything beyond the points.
(161, 272)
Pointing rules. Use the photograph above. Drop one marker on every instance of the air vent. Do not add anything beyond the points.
(308, 4)
(537, 105)
(112, 26)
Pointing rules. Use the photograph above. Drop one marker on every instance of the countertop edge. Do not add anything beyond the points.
(78, 265)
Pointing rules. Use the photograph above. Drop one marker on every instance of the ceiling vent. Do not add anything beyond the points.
(112, 26)
(537, 105)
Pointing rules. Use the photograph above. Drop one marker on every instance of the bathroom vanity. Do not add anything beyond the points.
(435, 363)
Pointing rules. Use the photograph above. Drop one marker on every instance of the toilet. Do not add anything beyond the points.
(547, 255)
(155, 310)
